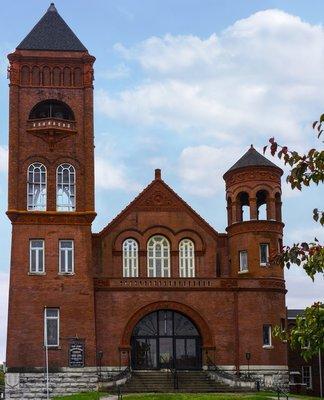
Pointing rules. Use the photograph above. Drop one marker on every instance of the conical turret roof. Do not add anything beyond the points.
(252, 158)
(51, 33)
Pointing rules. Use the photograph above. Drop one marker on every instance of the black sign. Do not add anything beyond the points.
(76, 353)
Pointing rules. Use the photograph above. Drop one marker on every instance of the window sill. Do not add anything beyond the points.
(66, 273)
(36, 273)
(264, 264)
(55, 348)
(267, 347)
(243, 272)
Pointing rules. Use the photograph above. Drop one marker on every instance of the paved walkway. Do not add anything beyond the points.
(109, 398)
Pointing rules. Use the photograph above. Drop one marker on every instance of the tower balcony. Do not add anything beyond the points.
(47, 125)
(51, 130)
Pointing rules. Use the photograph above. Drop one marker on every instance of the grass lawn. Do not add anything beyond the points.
(198, 396)
(83, 396)
(182, 396)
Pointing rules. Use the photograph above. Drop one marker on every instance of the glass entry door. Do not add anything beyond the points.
(166, 339)
(145, 353)
(187, 350)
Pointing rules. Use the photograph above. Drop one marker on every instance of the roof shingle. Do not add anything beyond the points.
(51, 33)
(252, 158)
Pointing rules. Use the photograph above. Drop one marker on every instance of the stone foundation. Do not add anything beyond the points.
(269, 377)
(32, 385)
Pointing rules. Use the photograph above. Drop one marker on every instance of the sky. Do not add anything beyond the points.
(187, 86)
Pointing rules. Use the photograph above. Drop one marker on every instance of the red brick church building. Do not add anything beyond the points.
(158, 285)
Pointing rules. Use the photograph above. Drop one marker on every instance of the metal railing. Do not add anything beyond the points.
(227, 375)
(51, 123)
(175, 376)
(173, 369)
(282, 393)
(121, 375)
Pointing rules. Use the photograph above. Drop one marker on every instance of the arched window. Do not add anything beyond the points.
(242, 207)
(65, 188)
(36, 187)
(187, 259)
(262, 205)
(130, 258)
(52, 109)
(278, 206)
(158, 260)
(229, 211)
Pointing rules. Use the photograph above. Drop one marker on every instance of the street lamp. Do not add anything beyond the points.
(248, 357)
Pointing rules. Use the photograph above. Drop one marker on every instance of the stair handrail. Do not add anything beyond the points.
(172, 367)
(227, 375)
(126, 372)
(282, 392)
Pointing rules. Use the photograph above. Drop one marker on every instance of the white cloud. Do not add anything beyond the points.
(259, 77)
(4, 290)
(302, 291)
(199, 163)
(118, 72)
(3, 158)
(172, 52)
(306, 234)
(110, 176)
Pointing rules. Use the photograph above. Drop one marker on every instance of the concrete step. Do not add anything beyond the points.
(163, 382)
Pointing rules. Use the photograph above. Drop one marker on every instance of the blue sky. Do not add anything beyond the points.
(187, 86)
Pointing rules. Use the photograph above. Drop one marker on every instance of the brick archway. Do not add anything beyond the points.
(197, 319)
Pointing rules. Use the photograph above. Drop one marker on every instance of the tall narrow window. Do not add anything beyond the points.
(307, 376)
(158, 259)
(51, 327)
(243, 255)
(264, 254)
(267, 341)
(130, 258)
(65, 190)
(66, 261)
(187, 259)
(36, 256)
(36, 187)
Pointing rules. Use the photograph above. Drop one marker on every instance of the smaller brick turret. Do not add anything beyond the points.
(253, 193)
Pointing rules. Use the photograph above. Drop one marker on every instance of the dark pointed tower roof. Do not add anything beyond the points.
(252, 158)
(51, 33)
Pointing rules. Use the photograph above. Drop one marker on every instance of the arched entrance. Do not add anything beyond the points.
(164, 339)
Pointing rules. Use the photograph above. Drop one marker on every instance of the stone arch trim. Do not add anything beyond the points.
(197, 319)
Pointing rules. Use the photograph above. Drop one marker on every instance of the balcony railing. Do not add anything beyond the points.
(188, 283)
(51, 124)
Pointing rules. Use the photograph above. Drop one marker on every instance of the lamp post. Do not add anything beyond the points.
(320, 372)
(46, 356)
(99, 358)
(248, 357)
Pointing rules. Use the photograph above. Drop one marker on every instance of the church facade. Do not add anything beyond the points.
(158, 286)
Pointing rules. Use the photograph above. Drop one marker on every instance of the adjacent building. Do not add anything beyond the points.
(304, 375)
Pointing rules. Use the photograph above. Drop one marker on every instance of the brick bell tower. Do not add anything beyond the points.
(51, 196)
(253, 193)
